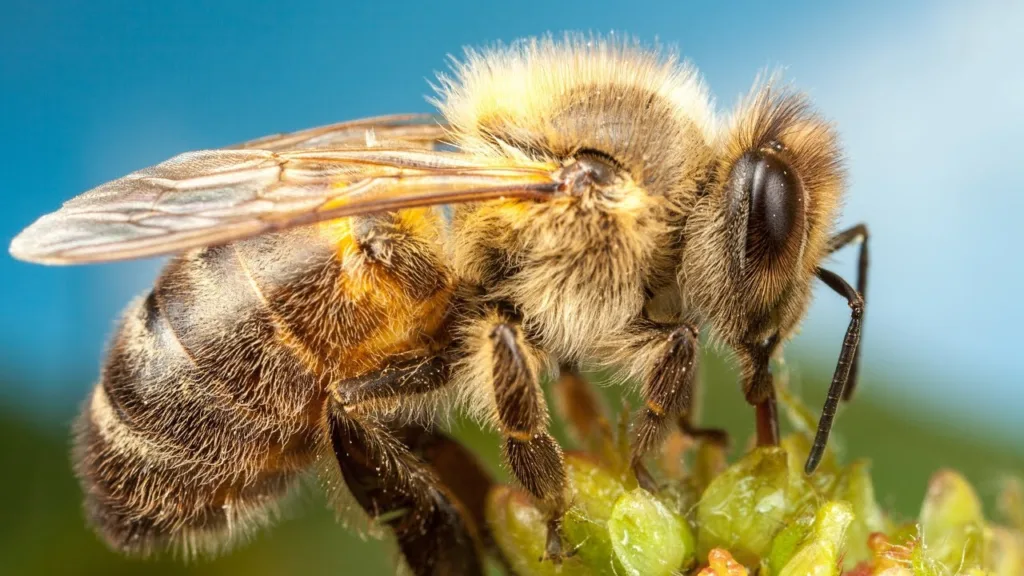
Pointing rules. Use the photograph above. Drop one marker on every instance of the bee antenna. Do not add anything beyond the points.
(843, 366)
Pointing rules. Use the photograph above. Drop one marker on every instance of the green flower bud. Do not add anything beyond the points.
(595, 489)
(520, 531)
(761, 512)
(648, 537)
(1004, 555)
(819, 556)
(787, 542)
(854, 486)
(805, 491)
(745, 506)
(595, 492)
(952, 524)
(609, 530)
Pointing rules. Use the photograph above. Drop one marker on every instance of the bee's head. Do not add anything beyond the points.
(759, 232)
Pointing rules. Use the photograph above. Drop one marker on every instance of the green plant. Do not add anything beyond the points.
(758, 515)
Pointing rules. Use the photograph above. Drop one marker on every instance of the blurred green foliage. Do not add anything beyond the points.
(42, 531)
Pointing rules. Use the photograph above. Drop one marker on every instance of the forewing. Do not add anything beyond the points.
(216, 196)
(413, 130)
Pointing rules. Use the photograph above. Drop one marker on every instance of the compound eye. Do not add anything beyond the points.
(600, 166)
(587, 169)
(776, 216)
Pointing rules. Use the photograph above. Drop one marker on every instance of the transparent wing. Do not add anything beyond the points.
(413, 130)
(216, 196)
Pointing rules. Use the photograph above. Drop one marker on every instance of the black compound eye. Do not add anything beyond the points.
(776, 213)
(601, 166)
(589, 168)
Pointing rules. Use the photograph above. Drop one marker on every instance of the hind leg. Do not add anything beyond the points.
(459, 471)
(582, 411)
(434, 531)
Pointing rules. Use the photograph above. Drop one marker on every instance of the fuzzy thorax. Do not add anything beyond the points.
(579, 267)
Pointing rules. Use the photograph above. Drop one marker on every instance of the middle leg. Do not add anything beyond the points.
(504, 368)
(666, 356)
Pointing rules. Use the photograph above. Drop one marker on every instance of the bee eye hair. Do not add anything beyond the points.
(599, 155)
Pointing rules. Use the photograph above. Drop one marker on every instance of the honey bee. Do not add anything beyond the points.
(319, 299)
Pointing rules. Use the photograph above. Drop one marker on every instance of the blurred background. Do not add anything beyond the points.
(926, 95)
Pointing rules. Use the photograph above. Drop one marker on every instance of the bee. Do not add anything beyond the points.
(601, 213)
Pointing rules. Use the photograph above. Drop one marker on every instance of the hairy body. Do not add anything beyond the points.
(602, 215)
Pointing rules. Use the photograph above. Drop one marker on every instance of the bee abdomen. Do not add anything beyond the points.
(167, 461)
(141, 506)
(202, 417)
(211, 398)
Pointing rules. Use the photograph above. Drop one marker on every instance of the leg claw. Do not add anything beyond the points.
(716, 436)
(644, 478)
(553, 549)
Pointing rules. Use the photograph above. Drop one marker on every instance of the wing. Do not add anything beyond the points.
(216, 196)
(414, 130)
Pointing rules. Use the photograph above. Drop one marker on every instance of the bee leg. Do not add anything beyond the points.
(434, 532)
(687, 421)
(532, 454)
(460, 472)
(767, 414)
(716, 436)
(666, 393)
(405, 378)
(759, 390)
(582, 411)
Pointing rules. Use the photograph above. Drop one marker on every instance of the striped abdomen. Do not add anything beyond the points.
(211, 398)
